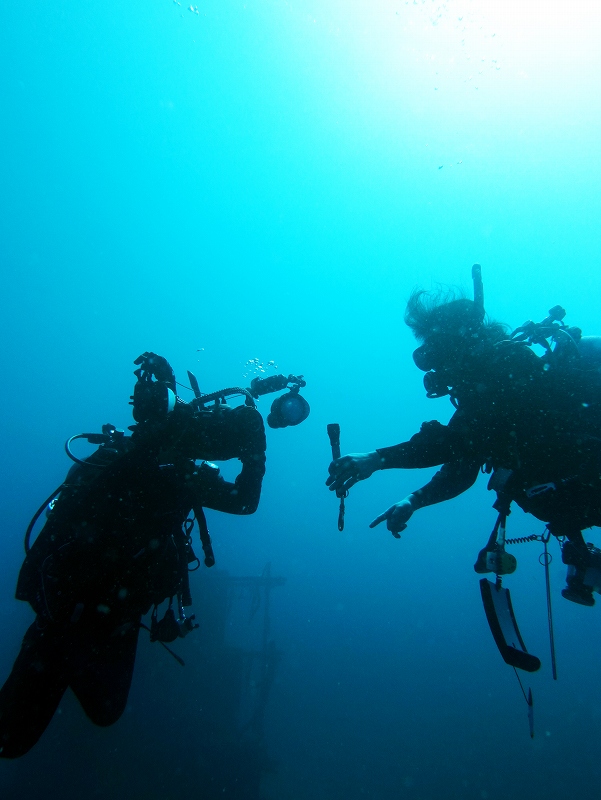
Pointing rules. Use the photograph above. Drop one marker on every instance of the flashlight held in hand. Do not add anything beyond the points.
(334, 434)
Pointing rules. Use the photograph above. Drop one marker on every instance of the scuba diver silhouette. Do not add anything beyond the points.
(117, 542)
(533, 421)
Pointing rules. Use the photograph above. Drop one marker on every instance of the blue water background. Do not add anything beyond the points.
(261, 179)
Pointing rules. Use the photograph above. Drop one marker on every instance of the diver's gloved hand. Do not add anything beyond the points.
(397, 516)
(346, 471)
(158, 366)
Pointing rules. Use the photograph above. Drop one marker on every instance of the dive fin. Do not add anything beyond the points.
(504, 628)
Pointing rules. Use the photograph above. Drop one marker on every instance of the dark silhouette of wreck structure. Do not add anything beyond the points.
(236, 661)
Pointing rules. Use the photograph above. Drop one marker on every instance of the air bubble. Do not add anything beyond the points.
(255, 366)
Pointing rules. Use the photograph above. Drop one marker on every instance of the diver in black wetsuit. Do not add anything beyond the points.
(536, 427)
(117, 543)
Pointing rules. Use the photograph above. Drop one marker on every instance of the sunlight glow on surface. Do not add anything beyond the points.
(550, 33)
(526, 55)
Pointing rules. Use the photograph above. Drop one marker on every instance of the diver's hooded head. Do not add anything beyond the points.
(449, 328)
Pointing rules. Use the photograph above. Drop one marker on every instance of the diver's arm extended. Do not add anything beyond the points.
(434, 444)
(451, 480)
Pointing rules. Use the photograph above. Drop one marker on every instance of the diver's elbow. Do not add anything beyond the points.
(248, 508)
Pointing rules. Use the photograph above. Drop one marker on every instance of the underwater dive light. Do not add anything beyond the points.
(287, 410)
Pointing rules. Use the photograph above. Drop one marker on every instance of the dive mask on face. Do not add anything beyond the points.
(438, 351)
(430, 358)
(422, 358)
(442, 358)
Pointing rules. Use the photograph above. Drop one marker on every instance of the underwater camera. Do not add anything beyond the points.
(288, 410)
(154, 394)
